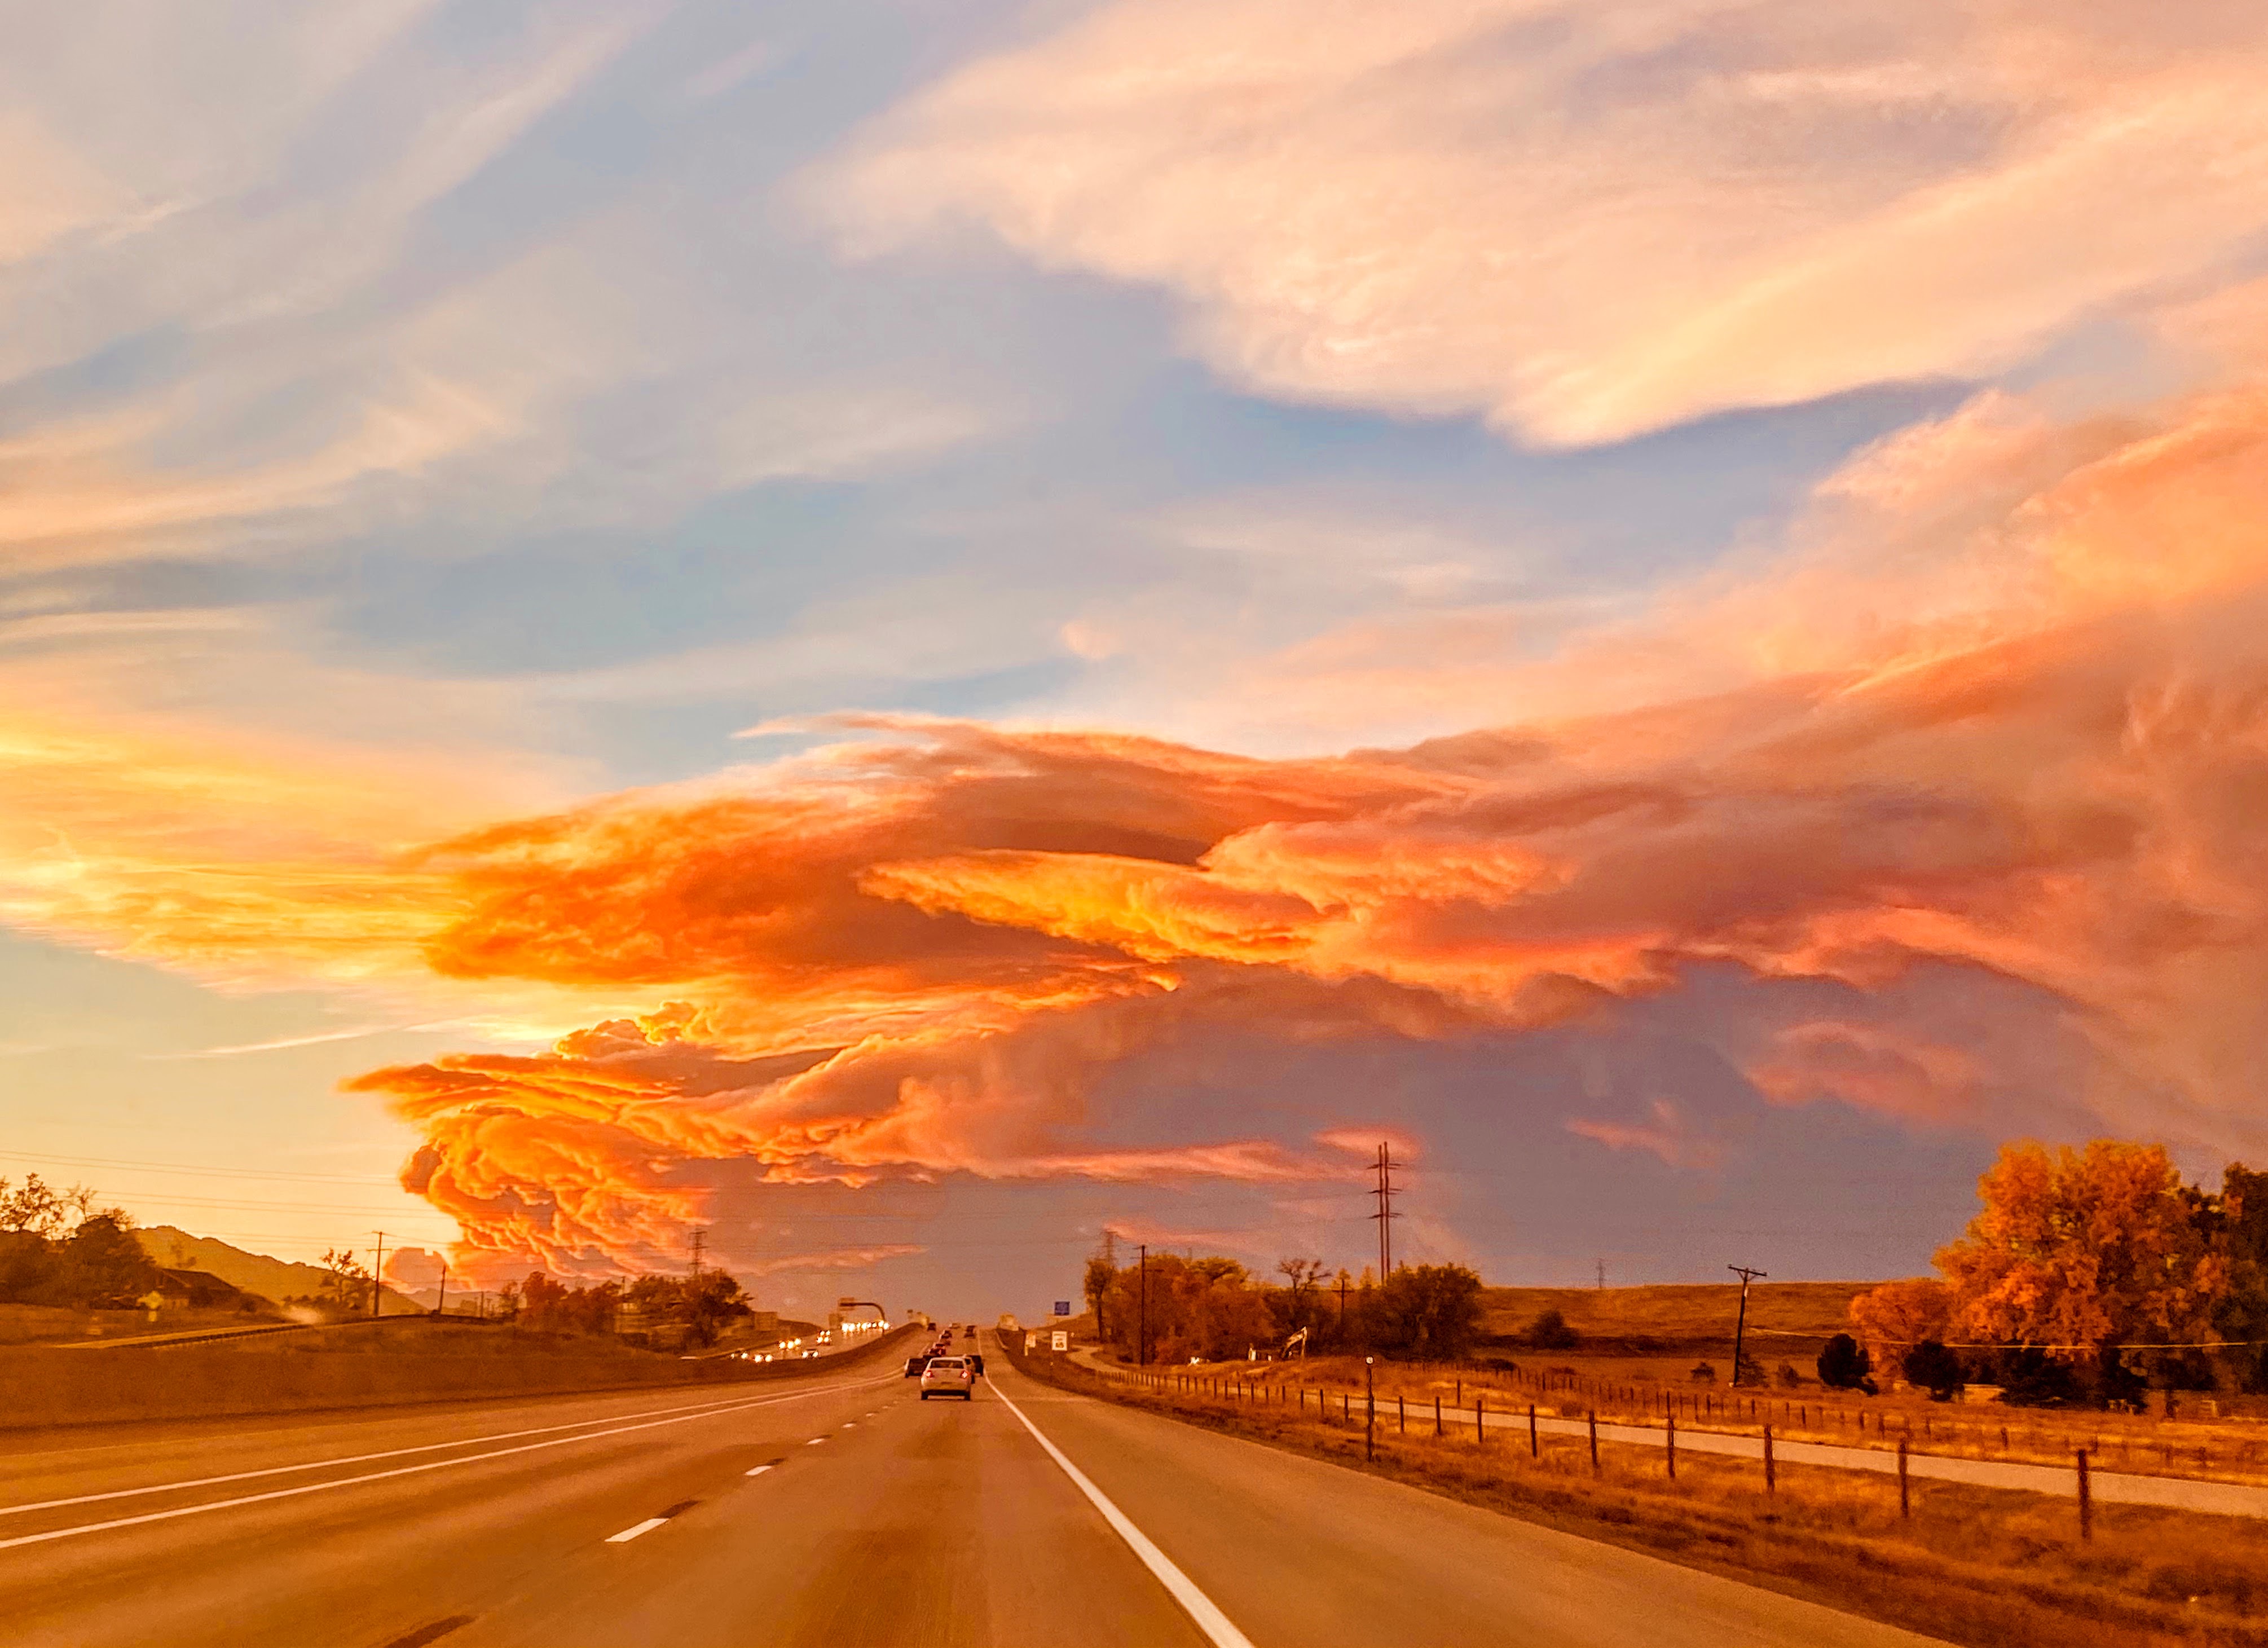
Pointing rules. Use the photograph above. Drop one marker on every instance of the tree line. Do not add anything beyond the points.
(673, 1312)
(56, 1248)
(1213, 1308)
(2091, 1275)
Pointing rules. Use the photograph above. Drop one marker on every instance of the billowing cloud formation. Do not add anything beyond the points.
(1588, 221)
(2004, 709)
(2000, 711)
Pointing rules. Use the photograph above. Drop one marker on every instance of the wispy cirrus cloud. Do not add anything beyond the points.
(1585, 224)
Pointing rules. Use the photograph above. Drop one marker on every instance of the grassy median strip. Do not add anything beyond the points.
(1984, 1566)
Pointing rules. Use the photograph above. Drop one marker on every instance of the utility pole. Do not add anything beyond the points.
(377, 1273)
(1385, 1215)
(1342, 1288)
(1741, 1327)
(1142, 1327)
(442, 1308)
(1602, 1275)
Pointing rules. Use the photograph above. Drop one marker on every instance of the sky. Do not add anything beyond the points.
(903, 633)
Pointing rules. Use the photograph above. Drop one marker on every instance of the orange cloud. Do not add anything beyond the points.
(2002, 707)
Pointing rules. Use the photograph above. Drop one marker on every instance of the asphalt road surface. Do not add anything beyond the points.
(841, 1512)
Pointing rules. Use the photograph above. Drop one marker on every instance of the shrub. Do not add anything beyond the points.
(1844, 1365)
(1935, 1369)
(1704, 1373)
(1786, 1376)
(1550, 1332)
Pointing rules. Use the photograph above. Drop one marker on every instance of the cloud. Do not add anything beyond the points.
(1996, 710)
(1589, 223)
(833, 1259)
(1667, 1137)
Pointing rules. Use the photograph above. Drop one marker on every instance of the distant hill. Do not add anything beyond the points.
(272, 1279)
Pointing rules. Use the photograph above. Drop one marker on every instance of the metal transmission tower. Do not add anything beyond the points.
(1385, 1215)
(700, 1238)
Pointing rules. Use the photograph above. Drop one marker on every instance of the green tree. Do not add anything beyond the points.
(36, 1207)
(346, 1281)
(1843, 1364)
(1206, 1307)
(1550, 1331)
(1102, 1269)
(1428, 1312)
(1932, 1367)
(100, 1264)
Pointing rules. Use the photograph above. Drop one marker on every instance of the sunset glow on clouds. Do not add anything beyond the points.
(1925, 788)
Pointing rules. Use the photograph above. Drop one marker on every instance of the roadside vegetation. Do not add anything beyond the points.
(58, 1249)
(1971, 1565)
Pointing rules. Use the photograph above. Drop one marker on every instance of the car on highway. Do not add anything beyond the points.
(916, 1363)
(948, 1376)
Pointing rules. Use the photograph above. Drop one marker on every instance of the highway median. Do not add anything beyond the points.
(43, 1386)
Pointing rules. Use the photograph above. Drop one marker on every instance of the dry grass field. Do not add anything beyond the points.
(1695, 1318)
(1971, 1565)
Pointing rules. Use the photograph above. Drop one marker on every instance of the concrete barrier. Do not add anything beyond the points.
(44, 1385)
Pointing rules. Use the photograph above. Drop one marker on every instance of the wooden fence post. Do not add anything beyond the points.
(2086, 1501)
(1673, 1446)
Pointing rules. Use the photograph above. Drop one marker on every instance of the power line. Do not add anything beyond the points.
(188, 1167)
(1385, 1215)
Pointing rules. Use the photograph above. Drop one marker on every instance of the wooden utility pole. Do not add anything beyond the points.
(1741, 1327)
(378, 1273)
(1142, 1331)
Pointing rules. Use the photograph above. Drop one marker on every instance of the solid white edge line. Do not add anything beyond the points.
(629, 1534)
(1199, 1607)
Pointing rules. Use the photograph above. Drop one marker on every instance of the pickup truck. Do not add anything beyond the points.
(948, 1376)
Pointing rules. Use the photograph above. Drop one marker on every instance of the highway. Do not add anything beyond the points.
(842, 1512)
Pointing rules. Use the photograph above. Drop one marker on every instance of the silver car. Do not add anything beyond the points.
(948, 1376)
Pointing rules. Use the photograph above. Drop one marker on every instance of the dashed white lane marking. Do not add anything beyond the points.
(850, 1425)
(629, 1534)
(757, 1471)
(384, 1475)
(815, 1441)
(1200, 1608)
(426, 1447)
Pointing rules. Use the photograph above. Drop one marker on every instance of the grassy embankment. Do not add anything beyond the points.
(1638, 1348)
(1978, 1566)
(408, 1360)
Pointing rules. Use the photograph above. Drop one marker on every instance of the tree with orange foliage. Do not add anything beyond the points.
(2081, 1252)
(1893, 1318)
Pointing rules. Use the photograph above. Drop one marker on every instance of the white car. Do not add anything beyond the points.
(949, 1376)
